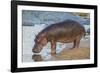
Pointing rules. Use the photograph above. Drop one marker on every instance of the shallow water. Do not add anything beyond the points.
(29, 33)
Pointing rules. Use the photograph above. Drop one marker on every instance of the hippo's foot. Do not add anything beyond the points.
(70, 48)
(73, 48)
(53, 52)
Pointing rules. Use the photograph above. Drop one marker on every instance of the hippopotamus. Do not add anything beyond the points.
(65, 32)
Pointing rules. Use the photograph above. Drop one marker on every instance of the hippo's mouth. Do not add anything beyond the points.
(36, 51)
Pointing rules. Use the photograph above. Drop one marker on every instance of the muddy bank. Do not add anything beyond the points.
(75, 54)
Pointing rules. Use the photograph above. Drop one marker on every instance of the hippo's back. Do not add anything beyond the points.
(66, 30)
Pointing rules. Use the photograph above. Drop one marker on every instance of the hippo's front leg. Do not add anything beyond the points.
(53, 47)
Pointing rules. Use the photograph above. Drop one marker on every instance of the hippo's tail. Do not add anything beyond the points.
(84, 34)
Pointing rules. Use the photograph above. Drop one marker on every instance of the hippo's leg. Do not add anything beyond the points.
(53, 47)
(74, 43)
(77, 42)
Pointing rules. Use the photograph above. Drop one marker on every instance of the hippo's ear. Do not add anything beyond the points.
(38, 40)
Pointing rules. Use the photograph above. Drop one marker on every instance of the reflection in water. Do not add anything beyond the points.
(37, 57)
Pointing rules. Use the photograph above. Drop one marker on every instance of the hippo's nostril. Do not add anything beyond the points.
(35, 51)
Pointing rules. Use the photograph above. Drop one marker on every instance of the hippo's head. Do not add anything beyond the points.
(40, 42)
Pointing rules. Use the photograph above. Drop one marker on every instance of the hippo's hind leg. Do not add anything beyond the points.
(53, 47)
(77, 42)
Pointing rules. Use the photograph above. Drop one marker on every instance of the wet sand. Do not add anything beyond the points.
(75, 54)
